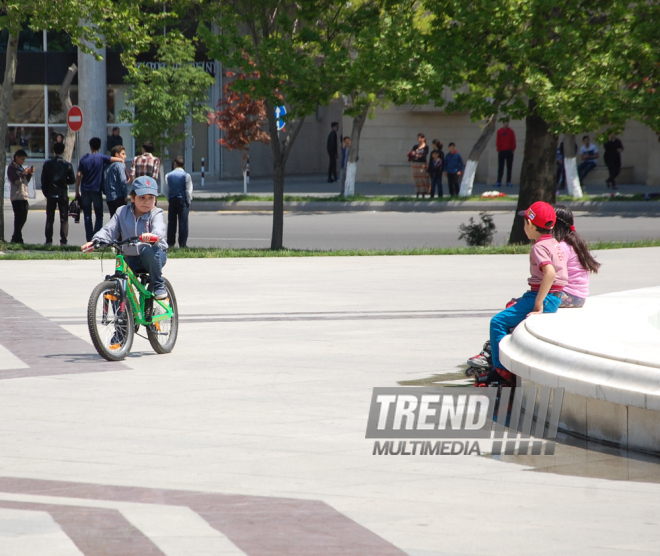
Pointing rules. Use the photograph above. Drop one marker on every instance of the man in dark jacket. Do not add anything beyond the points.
(56, 176)
(333, 152)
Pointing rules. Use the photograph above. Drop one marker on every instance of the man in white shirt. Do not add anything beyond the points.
(589, 154)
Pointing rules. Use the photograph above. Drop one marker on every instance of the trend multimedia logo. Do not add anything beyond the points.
(464, 421)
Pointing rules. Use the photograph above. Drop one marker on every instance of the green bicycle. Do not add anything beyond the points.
(122, 303)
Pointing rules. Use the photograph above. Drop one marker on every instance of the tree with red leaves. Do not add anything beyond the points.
(241, 117)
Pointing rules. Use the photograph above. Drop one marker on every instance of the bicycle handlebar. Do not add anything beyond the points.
(129, 241)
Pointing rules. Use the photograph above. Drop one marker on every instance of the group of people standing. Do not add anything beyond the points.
(427, 174)
(98, 174)
(588, 155)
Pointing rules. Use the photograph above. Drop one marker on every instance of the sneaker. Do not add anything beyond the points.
(480, 361)
(497, 184)
(161, 295)
(509, 184)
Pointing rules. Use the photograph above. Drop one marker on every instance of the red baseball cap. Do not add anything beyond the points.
(540, 214)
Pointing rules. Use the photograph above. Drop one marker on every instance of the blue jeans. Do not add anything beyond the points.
(436, 183)
(585, 167)
(501, 323)
(177, 211)
(152, 259)
(90, 198)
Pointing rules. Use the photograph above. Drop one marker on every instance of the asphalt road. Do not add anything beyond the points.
(355, 230)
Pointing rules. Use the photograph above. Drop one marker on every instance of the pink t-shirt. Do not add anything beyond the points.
(578, 278)
(545, 251)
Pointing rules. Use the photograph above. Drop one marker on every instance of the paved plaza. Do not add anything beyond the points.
(250, 437)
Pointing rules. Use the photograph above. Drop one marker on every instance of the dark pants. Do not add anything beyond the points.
(60, 203)
(20, 217)
(152, 259)
(614, 170)
(177, 212)
(453, 184)
(90, 198)
(436, 183)
(114, 205)
(332, 168)
(502, 157)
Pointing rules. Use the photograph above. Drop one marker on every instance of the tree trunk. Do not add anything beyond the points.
(65, 98)
(473, 160)
(5, 103)
(348, 186)
(537, 179)
(281, 153)
(573, 185)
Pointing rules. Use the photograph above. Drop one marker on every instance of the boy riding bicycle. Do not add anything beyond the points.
(140, 218)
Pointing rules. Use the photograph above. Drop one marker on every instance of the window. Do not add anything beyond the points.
(28, 41)
(27, 105)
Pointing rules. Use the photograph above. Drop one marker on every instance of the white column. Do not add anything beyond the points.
(92, 91)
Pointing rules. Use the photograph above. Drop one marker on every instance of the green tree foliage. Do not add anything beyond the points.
(287, 43)
(377, 61)
(165, 94)
(96, 22)
(563, 66)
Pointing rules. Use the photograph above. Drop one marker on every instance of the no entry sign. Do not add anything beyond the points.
(74, 118)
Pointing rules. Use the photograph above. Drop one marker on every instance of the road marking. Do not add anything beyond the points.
(40, 347)
(256, 525)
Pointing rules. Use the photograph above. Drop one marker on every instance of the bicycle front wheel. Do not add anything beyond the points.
(110, 325)
(162, 334)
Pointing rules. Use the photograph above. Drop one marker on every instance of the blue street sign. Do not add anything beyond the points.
(280, 112)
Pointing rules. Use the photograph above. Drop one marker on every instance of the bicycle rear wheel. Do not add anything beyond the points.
(162, 334)
(110, 326)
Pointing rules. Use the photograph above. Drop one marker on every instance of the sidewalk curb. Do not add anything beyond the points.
(610, 207)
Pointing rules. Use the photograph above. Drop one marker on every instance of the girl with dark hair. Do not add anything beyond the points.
(579, 263)
(579, 259)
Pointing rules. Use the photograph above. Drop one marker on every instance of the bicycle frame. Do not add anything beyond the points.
(140, 298)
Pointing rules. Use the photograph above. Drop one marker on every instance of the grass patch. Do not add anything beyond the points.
(607, 198)
(71, 252)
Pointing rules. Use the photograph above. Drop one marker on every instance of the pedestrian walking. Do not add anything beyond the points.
(19, 178)
(178, 190)
(56, 177)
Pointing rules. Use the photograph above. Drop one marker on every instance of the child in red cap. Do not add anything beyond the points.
(548, 277)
